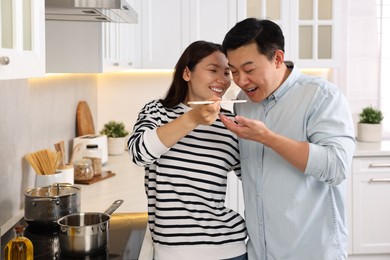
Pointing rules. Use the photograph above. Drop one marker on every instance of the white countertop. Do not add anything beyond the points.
(372, 149)
(127, 184)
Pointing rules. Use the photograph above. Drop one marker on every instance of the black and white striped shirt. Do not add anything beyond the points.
(186, 187)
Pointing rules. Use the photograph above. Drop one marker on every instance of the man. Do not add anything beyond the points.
(296, 143)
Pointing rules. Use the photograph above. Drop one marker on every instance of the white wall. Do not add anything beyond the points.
(35, 114)
(361, 68)
(120, 96)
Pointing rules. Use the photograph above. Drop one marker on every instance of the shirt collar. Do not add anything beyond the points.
(287, 84)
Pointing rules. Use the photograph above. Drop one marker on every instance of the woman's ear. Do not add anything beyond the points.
(187, 74)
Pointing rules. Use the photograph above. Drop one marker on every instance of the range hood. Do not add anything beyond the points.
(118, 11)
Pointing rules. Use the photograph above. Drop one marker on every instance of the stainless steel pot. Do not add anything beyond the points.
(45, 205)
(85, 233)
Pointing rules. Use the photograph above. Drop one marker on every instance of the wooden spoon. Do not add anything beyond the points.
(60, 147)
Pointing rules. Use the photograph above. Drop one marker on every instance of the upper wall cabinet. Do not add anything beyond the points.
(88, 47)
(164, 30)
(22, 39)
(311, 29)
(168, 27)
(81, 44)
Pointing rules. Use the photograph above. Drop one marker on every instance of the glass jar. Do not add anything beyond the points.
(95, 154)
(20, 247)
(83, 170)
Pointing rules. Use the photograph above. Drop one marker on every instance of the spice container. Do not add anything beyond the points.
(95, 154)
(83, 170)
(20, 247)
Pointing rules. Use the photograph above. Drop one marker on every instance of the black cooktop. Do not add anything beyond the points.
(126, 235)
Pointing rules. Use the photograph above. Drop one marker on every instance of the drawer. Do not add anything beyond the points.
(371, 164)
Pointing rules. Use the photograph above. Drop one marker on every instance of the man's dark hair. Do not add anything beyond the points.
(266, 34)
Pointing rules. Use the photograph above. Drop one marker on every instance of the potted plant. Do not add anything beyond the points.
(369, 126)
(116, 136)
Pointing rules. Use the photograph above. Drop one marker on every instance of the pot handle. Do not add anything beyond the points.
(113, 207)
(34, 201)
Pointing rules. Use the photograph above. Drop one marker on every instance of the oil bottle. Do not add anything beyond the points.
(20, 247)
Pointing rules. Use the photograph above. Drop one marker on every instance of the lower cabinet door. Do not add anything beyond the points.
(371, 206)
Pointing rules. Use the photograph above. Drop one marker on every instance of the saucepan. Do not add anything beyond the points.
(45, 205)
(85, 233)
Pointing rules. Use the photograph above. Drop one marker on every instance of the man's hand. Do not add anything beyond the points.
(246, 128)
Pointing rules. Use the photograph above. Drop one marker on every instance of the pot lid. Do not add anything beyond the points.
(55, 190)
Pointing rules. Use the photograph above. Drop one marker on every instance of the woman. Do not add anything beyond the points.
(187, 153)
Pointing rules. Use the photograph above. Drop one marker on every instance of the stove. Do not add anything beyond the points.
(126, 234)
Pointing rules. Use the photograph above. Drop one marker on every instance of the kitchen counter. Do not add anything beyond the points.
(126, 234)
(372, 149)
(127, 184)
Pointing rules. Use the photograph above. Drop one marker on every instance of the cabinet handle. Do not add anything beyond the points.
(4, 60)
(116, 64)
(380, 180)
(379, 165)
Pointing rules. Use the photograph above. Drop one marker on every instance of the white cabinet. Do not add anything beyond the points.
(163, 31)
(118, 47)
(371, 207)
(168, 27)
(22, 34)
(88, 47)
(311, 29)
(234, 194)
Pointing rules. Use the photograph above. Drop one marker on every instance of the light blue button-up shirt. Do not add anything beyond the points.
(291, 215)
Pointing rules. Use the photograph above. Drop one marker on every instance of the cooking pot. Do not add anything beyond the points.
(85, 233)
(45, 205)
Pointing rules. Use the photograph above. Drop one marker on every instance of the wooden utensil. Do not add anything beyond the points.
(84, 120)
(60, 147)
(75, 151)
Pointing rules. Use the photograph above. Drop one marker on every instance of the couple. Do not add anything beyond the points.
(291, 145)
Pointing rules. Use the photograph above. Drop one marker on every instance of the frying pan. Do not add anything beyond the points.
(86, 232)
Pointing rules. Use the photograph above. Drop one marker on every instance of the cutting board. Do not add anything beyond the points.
(103, 176)
(84, 120)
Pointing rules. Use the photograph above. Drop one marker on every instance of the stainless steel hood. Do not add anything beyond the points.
(118, 11)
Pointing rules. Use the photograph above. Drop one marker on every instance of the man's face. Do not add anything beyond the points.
(253, 72)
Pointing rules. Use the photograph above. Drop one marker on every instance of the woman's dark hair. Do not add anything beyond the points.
(191, 56)
(267, 35)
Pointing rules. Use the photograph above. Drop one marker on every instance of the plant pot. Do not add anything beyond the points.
(116, 145)
(369, 132)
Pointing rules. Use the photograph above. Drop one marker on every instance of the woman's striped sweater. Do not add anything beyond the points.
(186, 187)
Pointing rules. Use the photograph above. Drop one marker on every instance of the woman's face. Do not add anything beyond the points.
(210, 77)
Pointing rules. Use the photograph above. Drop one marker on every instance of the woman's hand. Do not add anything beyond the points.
(205, 114)
(173, 131)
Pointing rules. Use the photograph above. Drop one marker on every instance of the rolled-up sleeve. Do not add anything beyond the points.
(331, 137)
(329, 163)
